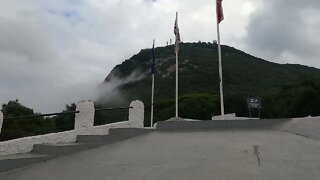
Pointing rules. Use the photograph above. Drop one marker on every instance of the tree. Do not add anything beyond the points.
(16, 128)
(65, 122)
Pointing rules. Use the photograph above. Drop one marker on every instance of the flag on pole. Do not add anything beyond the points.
(176, 32)
(219, 11)
(153, 65)
(219, 19)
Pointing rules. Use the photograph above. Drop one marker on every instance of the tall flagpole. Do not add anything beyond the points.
(220, 73)
(152, 93)
(177, 68)
(219, 52)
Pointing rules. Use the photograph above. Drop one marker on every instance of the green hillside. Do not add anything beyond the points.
(244, 75)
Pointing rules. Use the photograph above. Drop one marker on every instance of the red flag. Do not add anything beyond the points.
(219, 11)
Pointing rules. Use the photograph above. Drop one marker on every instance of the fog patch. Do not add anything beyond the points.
(109, 92)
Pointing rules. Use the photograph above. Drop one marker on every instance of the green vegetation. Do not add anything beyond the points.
(299, 100)
(110, 116)
(286, 90)
(202, 109)
(22, 127)
(16, 128)
(65, 122)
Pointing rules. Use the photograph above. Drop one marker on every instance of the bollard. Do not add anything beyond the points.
(84, 120)
(136, 114)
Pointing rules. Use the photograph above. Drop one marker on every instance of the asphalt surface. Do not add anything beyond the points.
(203, 154)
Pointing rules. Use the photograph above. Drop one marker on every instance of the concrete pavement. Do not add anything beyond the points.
(202, 154)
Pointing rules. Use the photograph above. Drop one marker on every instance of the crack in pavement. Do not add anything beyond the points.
(256, 152)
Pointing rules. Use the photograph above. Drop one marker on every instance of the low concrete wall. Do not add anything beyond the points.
(83, 126)
(225, 117)
(308, 127)
(220, 125)
(232, 116)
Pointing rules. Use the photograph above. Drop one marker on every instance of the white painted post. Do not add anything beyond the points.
(1, 121)
(84, 120)
(136, 113)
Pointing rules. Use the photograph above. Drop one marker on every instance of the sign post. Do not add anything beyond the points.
(254, 103)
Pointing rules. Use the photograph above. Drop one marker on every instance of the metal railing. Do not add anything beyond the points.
(63, 113)
(117, 115)
(110, 109)
(40, 115)
(45, 127)
(50, 130)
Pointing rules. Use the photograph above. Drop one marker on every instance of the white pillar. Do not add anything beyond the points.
(1, 121)
(85, 118)
(136, 114)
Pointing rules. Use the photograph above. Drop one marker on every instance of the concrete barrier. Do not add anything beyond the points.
(232, 116)
(83, 126)
(136, 113)
(220, 125)
(84, 120)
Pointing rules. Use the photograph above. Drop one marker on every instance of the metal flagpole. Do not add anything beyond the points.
(152, 93)
(220, 73)
(220, 62)
(177, 69)
(152, 98)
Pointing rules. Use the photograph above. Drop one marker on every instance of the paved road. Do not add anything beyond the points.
(188, 155)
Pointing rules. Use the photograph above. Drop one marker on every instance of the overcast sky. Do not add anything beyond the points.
(54, 52)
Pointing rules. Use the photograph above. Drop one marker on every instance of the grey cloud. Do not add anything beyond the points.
(26, 39)
(42, 62)
(286, 26)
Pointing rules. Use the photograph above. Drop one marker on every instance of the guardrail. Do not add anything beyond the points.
(84, 125)
(57, 117)
(40, 115)
(108, 109)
